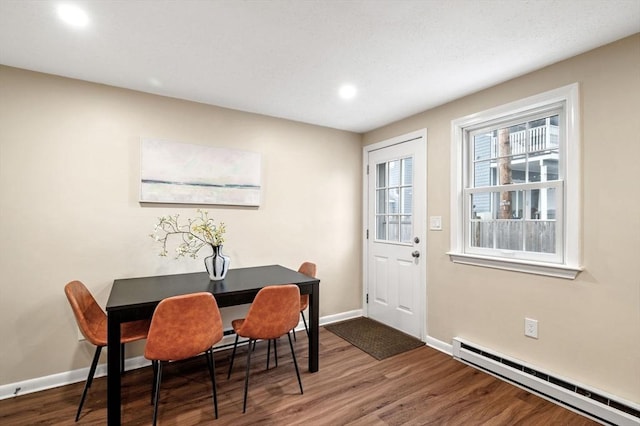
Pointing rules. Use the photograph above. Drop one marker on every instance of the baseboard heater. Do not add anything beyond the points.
(591, 403)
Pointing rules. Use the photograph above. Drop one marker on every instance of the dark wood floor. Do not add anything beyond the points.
(419, 387)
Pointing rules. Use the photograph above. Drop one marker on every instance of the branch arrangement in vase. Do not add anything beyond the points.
(196, 233)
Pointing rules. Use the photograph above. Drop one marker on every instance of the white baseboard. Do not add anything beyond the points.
(340, 317)
(65, 378)
(439, 345)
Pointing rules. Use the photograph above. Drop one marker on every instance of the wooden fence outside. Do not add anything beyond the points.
(537, 236)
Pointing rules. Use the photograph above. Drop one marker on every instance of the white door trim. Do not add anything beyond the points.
(421, 174)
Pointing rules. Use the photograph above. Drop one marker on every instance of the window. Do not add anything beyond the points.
(515, 182)
(394, 200)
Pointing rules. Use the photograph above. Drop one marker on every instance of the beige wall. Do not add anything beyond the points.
(589, 328)
(69, 155)
(69, 163)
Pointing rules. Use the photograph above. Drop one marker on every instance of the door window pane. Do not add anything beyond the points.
(381, 227)
(394, 228)
(381, 172)
(407, 200)
(406, 229)
(381, 201)
(407, 171)
(394, 200)
(394, 173)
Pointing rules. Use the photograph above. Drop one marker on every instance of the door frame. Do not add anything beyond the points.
(420, 173)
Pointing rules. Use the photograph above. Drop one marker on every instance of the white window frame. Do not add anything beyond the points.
(567, 265)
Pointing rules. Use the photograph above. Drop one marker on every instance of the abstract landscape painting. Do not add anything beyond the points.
(172, 172)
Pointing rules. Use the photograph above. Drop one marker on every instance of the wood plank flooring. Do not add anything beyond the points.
(419, 387)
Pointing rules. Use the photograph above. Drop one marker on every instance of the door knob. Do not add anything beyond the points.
(415, 254)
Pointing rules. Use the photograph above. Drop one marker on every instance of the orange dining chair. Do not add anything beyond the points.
(309, 269)
(273, 313)
(183, 327)
(92, 322)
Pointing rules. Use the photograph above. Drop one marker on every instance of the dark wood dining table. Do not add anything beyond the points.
(136, 298)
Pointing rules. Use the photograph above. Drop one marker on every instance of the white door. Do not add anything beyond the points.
(395, 253)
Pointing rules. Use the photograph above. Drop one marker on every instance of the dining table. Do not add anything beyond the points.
(133, 299)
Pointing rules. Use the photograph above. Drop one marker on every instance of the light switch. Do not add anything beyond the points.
(435, 223)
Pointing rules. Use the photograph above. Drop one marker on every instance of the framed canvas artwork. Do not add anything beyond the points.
(172, 172)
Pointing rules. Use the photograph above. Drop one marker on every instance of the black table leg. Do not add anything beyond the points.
(113, 369)
(314, 327)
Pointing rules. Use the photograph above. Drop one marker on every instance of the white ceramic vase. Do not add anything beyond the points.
(217, 264)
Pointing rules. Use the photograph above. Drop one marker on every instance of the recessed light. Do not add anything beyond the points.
(73, 15)
(347, 91)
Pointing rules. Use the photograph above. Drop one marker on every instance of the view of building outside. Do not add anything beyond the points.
(515, 219)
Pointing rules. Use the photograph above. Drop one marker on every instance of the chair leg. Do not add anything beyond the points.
(295, 363)
(268, 352)
(157, 391)
(246, 380)
(211, 363)
(87, 383)
(275, 351)
(154, 364)
(305, 323)
(121, 358)
(233, 356)
(294, 335)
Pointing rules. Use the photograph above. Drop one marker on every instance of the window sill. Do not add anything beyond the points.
(547, 269)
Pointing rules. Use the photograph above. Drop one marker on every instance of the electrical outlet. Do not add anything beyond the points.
(531, 328)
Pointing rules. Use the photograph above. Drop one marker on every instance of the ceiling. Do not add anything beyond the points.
(288, 58)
